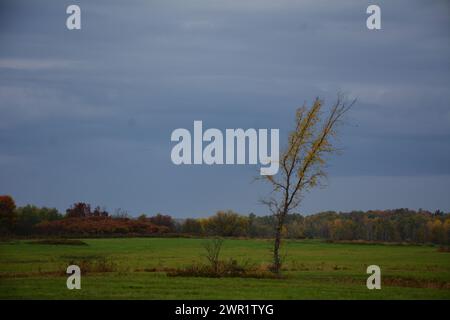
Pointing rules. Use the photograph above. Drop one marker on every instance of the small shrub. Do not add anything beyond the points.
(213, 248)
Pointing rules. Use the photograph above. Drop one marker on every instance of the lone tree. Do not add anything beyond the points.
(302, 163)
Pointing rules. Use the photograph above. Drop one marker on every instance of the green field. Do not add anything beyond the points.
(313, 270)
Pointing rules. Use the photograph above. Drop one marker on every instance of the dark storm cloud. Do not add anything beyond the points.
(87, 115)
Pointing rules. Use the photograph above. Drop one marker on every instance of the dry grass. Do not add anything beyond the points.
(67, 242)
(94, 265)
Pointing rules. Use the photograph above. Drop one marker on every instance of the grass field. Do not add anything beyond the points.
(314, 270)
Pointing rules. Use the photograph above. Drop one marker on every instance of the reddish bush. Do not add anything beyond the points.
(98, 226)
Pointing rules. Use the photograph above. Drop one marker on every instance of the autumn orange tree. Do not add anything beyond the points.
(7, 213)
(302, 162)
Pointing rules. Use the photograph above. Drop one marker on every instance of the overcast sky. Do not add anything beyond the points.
(87, 115)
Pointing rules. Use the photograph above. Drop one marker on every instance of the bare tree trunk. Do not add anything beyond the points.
(276, 268)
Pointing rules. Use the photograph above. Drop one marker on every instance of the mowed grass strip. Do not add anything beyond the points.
(313, 270)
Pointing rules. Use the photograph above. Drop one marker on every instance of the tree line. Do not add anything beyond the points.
(399, 225)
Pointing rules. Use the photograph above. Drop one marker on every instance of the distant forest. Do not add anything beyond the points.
(399, 225)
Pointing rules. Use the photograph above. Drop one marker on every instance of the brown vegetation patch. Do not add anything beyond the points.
(224, 269)
(367, 242)
(407, 282)
(98, 226)
(155, 269)
(8, 275)
(295, 266)
(69, 242)
(94, 265)
(88, 264)
(415, 283)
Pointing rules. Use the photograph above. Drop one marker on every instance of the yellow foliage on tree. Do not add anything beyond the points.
(303, 161)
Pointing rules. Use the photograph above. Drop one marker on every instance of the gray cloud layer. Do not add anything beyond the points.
(87, 115)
